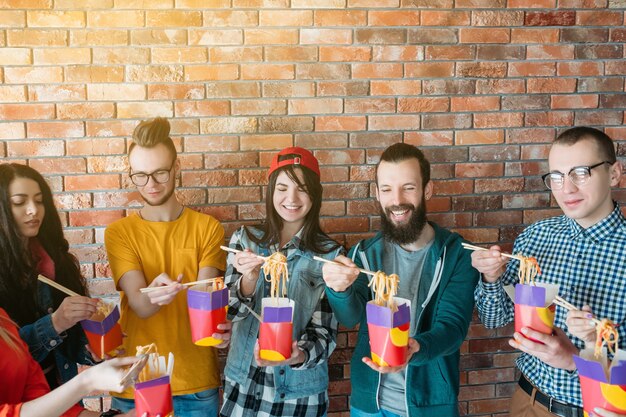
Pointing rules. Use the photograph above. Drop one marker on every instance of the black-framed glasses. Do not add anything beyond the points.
(160, 176)
(577, 175)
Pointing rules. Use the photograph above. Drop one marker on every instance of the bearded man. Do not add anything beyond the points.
(436, 275)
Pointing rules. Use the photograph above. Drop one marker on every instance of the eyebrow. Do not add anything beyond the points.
(26, 195)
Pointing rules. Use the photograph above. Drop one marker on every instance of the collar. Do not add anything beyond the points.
(294, 243)
(601, 230)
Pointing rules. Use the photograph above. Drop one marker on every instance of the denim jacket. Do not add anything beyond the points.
(306, 288)
(42, 339)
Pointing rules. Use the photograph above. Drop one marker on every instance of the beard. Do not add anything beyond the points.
(405, 233)
(160, 201)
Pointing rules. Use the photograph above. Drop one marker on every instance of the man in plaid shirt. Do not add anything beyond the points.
(584, 251)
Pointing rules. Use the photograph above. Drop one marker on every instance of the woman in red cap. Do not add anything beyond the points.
(294, 385)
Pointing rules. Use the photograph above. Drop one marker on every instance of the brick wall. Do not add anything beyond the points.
(482, 86)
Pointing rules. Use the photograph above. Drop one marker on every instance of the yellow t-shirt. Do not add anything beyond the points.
(182, 246)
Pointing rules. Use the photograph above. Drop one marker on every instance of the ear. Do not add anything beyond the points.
(376, 192)
(615, 172)
(428, 190)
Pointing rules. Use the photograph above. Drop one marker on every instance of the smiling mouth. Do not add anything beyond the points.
(33, 222)
(291, 208)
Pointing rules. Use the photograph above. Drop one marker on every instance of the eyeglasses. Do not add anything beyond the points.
(160, 176)
(577, 175)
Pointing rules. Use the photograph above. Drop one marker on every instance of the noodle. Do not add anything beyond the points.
(275, 270)
(528, 270)
(103, 309)
(606, 334)
(385, 288)
(151, 370)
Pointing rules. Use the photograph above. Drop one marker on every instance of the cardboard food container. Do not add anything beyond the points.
(207, 308)
(389, 332)
(104, 336)
(154, 396)
(275, 333)
(534, 308)
(603, 384)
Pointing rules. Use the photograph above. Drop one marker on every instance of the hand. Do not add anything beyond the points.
(71, 311)
(490, 263)
(340, 277)
(248, 264)
(601, 412)
(297, 356)
(557, 350)
(226, 328)
(580, 323)
(414, 346)
(107, 376)
(169, 291)
(120, 351)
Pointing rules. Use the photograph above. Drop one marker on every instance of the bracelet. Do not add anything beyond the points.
(112, 412)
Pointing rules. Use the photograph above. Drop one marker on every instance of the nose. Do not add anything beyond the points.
(31, 208)
(396, 197)
(568, 186)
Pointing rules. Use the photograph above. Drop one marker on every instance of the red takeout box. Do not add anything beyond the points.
(389, 332)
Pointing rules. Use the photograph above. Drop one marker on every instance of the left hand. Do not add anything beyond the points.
(297, 357)
(557, 350)
(580, 323)
(225, 328)
(601, 412)
(414, 346)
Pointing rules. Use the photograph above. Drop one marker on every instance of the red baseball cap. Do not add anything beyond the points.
(299, 156)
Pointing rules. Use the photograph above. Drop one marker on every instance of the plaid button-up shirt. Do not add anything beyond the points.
(590, 267)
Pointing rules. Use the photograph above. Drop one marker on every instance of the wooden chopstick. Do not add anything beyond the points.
(365, 271)
(133, 369)
(559, 301)
(57, 286)
(506, 255)
(227, 249)
(251, 311)
(186, 284)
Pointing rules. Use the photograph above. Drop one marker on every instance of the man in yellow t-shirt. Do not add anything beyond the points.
(163, 245)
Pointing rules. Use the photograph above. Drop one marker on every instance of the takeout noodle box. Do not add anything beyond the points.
(154, 397)
(534, 308)
(602, 386)
(206, 309)
(105, 336)
(275, 333)
(389, 332)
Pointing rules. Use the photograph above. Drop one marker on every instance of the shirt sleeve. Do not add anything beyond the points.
(232, 278)
(495, 307)
(122, 257)
(41, 337)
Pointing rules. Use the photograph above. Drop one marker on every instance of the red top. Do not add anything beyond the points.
(21, 377)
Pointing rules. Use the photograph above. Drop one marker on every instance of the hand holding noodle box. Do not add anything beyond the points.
(153, 393)
(207, 305)
(388, 321)
(275, 332)
(603, 382)
(103, 330)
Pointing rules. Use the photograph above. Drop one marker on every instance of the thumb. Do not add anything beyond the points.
(179, 278)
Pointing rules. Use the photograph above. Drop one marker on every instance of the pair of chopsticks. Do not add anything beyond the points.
(186, 284)
(58, 286)
(365, 271)
(227, 249)
(506, 255)
(561, 302)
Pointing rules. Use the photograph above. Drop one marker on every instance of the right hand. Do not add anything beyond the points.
(107, 376)
(248, 264)
(580, 323)
(168, 291)
(340, 277)
(71, 311)
(490, 263)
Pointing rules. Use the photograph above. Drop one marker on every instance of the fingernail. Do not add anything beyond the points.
(588, 316)
(524, 330)
(592, 324)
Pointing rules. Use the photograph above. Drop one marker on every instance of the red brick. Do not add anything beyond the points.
(26, 111)
(484, 35)
(395, 87)
(398, 53)
(286, 124)
(393, 18)
(100, 146)
(235, 54)
(450, 52)
(500, 52)
(265, 142)
(345, 53)
(12, 130)
(395, 122)
(445, 18)
(201, 108)
(579, 68)
(321, 140)
(291, 53)
(258, 107)
(345, 191)
(380, 36)
(446, 121)
(550, 18)
(479, 103)
(175, 91)
(92, 182)
(599, 18)
(551, 85)
(481, 69)
(526, 4)
(499, 185)
(94, 218)
(574, 35)
(423, 104)
(498, 217)
(531, 69)
(233, 89)
(340, 123)
(342, 88)
(216, 37)
(449, 87)
(486, 120)
(325, 36)
(530, 135)
(497, 18)
(532, 35)
(473, 137)
(378, 70)
(322, 71)
(429, 138)
(550, 51)
(231, 160)
(429, 69)
(370, 105)
(85, 110)
(482, 170)
(350, 18)
(59, 166)
(55, 129)
(480, 4)
(212, 72)
(588, 101)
